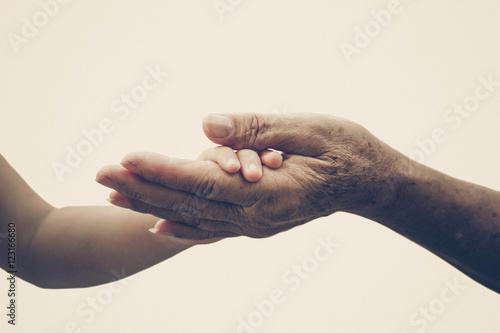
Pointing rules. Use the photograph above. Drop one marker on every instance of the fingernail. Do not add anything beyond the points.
(218, 126)
(131, 166)
(111, 201)
(160, 233)
(106, 181)
(117, 200)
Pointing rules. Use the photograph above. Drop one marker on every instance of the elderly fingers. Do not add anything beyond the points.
(201, 178)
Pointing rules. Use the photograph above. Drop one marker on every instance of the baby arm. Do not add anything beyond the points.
(75, 247)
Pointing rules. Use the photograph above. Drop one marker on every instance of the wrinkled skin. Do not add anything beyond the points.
(330, 164)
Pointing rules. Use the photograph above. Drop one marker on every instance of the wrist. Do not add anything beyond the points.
(385, 184)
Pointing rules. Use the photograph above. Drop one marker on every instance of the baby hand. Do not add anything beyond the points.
(248, 161)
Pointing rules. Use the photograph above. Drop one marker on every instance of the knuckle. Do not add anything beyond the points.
(190, 220)
(184, 206)
(205, 189)
(208, 186)
(191, 209)
(253, 128)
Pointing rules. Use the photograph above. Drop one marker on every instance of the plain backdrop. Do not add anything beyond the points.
(268, 57)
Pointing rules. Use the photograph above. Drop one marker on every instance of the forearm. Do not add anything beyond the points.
(22, 207)
(75, 246)
(81, 246)
(454, 219)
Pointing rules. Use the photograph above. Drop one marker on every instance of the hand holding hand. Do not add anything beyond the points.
(330, 165)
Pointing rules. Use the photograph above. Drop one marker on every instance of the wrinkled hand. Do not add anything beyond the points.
(330, 164)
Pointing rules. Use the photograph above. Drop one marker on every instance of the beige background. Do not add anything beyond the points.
(265, 56)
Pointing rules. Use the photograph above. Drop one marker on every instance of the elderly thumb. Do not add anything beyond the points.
(291, 133)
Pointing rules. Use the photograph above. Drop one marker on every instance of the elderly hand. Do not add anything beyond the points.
(330, 164)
